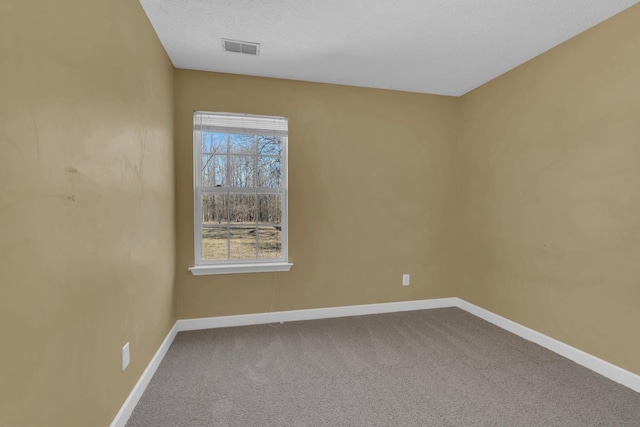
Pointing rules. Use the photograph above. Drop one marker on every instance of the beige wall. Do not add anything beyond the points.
(370, 180)
(86, 207)
(549, 231)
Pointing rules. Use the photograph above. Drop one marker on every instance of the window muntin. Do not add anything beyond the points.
(240, 177)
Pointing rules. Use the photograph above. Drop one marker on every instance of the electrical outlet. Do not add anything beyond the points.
(405, 280)
(126, 357)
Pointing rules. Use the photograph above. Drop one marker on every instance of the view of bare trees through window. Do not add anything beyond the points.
(241, 196)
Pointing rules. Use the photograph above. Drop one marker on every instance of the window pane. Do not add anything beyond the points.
(271, 145)
(214, 208)
(242, 144)
(242, 208)
(214, 142)
(269, 172)
(214, 170)
(269, 242)
(270, 208)
(240, 187)
(243, 242)
(242, 171)
(214, 243)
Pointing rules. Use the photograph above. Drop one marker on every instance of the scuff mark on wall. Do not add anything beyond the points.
(35, 129)
(5, 140)
(143, 152)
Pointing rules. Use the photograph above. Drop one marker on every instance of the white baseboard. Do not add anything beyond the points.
(604, 368)
(132, 400)
(312, 314)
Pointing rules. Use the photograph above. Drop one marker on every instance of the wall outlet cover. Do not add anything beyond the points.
(126, 357)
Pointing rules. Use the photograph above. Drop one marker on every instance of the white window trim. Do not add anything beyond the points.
(266, 267)
(203, 267)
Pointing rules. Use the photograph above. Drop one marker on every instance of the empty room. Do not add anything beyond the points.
(306, 213)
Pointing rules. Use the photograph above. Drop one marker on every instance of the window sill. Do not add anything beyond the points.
(205, 270)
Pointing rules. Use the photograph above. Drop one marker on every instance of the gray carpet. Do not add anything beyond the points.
(440, 367)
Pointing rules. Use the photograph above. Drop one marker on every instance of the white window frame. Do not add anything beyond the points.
(207, 267)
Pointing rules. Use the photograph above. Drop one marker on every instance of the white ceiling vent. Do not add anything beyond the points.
(238, 46)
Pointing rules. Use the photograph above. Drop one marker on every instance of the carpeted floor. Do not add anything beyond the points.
(440, 367)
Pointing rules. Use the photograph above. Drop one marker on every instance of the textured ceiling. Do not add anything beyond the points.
(445, 47)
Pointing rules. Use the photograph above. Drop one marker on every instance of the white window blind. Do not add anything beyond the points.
(240, 123)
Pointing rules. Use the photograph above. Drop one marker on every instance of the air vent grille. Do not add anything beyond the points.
(237, 46)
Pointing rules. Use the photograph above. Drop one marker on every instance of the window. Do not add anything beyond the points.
(240, 190)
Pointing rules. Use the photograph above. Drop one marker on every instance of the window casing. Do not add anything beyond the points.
(240, 193)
